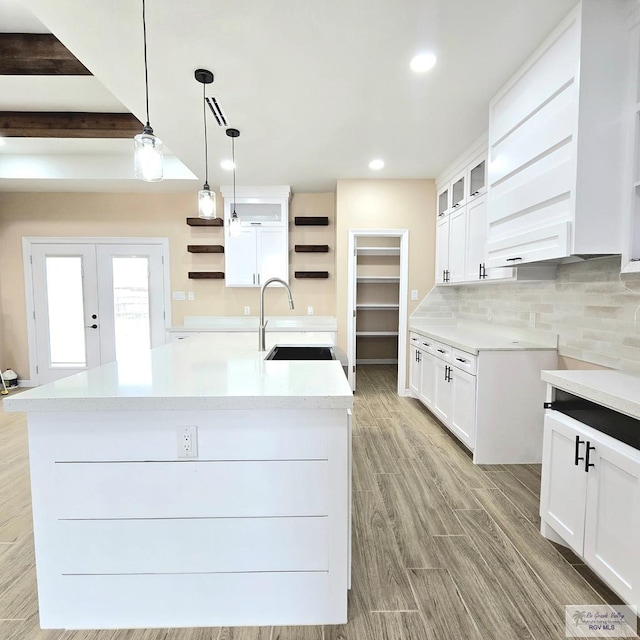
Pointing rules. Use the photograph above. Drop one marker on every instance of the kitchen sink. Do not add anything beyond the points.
(301, 352)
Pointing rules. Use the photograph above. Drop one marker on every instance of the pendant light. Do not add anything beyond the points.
(147, 157)
(207, 208)
(235, 227)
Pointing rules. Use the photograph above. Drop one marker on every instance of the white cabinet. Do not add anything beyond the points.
(457, 245)
(442, 250)
(497, 415)
(261, 250)
(596, 513)
(463, 406)
(556, 145)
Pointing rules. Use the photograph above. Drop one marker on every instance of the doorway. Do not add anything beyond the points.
(93, 300)
(377, 300)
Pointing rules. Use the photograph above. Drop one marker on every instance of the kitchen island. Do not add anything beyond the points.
(203, 487)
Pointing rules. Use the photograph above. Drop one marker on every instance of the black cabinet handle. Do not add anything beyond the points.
(513, 259)
(426, 344)
(441, 214)
(447, 373)
(91, 326)
(457, 204)
(475, 193)
(588, 464)
(419, 354)
(94, 317)
(441, 351)
(578, 457)
(483, 271)
(460, 359)
(480, 271)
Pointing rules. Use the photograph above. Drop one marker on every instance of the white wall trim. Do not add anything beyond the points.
(29, 241)
(403, 234)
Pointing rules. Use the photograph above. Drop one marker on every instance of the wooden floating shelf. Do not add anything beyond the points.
(308, 221)
(312, 274)
(312, 248)
(206, 275)
(205, 248)
(201, 222)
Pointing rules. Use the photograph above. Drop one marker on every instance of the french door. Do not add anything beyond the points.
(95, 303)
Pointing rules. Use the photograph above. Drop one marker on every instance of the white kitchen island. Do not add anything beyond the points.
(253, 529)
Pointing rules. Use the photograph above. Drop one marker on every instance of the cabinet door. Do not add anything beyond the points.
(458, 190)
(463, 406)
(428, 380)
(273, 254)
(442, 249)
(240, 259)
(443, 201)
(563, 492)
(415, 371)
(612, 520)
(442, 391)
(477, 177)
(476, 237)
(457, 244)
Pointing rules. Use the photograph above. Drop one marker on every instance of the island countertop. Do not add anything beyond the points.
(194, 374)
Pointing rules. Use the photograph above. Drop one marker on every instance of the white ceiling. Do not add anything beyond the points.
(317, 89)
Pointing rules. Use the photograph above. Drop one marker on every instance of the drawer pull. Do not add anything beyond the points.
(441, 351)
(460, 359)
(426, 344)
(513, 259)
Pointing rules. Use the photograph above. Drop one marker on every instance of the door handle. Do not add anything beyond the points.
(91, 326)
(578, 457)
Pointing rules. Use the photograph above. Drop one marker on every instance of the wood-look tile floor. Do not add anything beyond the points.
(442, 549)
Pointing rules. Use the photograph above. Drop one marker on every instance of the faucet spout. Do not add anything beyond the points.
(263, 324)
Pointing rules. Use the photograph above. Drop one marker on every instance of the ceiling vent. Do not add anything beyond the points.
(217, 111)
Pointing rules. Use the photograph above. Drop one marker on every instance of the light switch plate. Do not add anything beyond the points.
(309, 310)
(414, 294)
(247, 311)
(191, 295)
(178, 295)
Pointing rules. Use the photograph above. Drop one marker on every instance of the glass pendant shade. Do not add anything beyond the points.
(235, 228)
(147, 158)
(206, 203)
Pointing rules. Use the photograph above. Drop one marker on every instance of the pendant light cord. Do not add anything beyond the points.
(206, 155)
(233, 159)
(146, 71)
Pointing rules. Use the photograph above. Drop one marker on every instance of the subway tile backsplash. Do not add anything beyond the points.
(592, 307)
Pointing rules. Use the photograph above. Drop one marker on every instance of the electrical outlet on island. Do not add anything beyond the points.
(247, 311)
(187, 438)
(309, 310)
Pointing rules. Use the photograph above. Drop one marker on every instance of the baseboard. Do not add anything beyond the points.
(406, 393)
(377, 361)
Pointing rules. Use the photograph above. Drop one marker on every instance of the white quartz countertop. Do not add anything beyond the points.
(195, 374)
(199, 324)
(613, 389)
(474, 339)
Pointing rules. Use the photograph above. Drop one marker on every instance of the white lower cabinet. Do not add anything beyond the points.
(595, 509)
(498, 416)
(463, 405)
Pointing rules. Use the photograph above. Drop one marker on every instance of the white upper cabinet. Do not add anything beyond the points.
(261, 250)
(556, 144)
(443, 201)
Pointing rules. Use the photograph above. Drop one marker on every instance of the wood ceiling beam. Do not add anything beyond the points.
(58, 124)
(37, 54)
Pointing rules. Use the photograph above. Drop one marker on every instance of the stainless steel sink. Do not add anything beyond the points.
(301, 352)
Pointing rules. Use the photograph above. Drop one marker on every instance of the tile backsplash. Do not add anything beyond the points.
(592, 307)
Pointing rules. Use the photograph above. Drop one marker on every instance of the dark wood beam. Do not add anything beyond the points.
(59, 124)
(37, 54)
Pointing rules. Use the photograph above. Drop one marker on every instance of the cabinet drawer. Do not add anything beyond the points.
(442, 351)
(426, 344)
(464, 361)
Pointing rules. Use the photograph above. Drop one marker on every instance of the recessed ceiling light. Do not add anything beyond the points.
(423, 62)
(227, 164)
(376, 164)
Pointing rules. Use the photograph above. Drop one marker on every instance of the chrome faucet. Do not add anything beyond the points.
(263, 324)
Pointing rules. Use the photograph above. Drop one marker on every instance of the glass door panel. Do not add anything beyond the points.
(131, 317)
(66, 311)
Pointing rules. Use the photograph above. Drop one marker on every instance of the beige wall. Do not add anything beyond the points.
(160, 215)
(386, 204)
